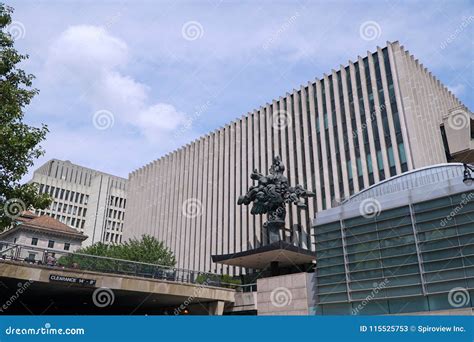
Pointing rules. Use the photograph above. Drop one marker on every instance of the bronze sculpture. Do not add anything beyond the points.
(270, 196)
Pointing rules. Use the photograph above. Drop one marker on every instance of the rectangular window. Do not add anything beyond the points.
(67, 246)
(50, 244)
(34, 241)
(401, 150)
(391, 159)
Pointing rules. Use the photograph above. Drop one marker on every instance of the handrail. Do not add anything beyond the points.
(118, 266)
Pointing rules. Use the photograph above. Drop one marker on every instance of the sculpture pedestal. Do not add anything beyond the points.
(273, 230)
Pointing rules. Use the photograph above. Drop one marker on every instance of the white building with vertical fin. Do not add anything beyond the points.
(374, 118)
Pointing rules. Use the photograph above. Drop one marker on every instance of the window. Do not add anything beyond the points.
(34, 241)
(31, 256)
(67, 245)
(50, 244)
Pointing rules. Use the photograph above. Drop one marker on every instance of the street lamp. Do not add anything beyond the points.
(468, 177)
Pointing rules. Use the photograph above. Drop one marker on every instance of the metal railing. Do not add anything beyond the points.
(68, 260)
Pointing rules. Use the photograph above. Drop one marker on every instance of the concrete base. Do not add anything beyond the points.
(244, 302)
(289, 294)
(216, 308)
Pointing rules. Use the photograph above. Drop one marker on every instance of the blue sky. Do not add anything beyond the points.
(123, 83)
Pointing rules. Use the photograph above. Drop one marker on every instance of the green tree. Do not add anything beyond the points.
(18, 141)
(147, 249)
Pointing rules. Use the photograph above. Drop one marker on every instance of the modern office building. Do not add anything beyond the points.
(86, 199)
(403, 245)
(370, 120)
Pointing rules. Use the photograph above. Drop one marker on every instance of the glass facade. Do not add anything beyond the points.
(405, 259)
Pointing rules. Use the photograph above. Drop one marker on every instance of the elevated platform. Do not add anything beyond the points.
(284, 253)
(57, 290)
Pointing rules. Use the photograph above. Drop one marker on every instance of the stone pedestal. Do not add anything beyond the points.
(290, 294)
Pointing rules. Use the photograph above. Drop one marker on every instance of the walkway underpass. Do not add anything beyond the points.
(39, 289)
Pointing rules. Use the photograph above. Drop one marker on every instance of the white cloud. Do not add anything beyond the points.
(92, 60)
(83, 51)
(160, 117)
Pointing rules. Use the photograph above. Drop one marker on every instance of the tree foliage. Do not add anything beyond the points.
(147, 249)
(18, 141)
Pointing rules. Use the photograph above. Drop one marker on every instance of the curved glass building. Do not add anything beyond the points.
(403, 245)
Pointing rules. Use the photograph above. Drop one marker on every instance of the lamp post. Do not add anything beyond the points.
(468, 174)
